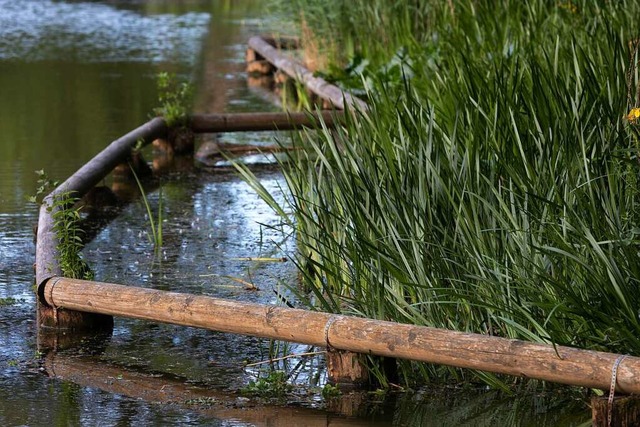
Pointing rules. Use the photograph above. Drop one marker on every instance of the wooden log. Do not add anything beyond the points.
(321, 87)
(625, 411)
(212, 123)
(559, 364)
(282, 42)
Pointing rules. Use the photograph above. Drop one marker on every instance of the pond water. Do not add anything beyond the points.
(75, 75)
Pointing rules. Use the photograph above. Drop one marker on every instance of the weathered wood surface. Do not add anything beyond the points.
(346, 369)
(558, 364)
(212, 123)
(317, 85)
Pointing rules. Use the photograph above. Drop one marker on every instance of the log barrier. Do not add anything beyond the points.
(325, 90)
(118, 152)
(564, 365)
(75, 304)
(79, 184)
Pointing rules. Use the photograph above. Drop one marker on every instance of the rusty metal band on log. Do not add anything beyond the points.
(203, 123)
(558, 364)
(319, 86)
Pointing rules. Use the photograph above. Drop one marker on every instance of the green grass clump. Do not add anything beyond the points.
(175, 98)
(273, 385)
(493, 186)
(67, 227)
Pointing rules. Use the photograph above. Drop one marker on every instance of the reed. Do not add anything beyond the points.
(492, 187)
(154, 221)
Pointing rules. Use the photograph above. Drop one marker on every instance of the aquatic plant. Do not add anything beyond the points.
(7, 301)
(155, 221)
(66, 225)
(175, 99)
(273, 385)
(493, 185)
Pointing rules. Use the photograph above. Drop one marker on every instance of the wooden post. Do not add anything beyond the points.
(625, 411)
(559, 364)
(346, 369)
(260, 67)
(325, 90)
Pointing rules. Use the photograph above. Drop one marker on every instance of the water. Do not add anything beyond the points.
(76, 75)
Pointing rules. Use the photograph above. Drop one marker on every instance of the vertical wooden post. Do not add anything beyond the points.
(346, 369)
(179, 140)
(625, 411)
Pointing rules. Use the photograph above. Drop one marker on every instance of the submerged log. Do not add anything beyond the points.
(559, 364)
(212, 123)
(211, 152)
(319, 86)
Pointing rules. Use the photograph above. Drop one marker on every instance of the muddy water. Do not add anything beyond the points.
(75, 75)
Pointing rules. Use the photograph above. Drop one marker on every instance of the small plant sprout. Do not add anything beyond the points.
(155, 222)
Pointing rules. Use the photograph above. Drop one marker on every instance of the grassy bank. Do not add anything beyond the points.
(493, 187)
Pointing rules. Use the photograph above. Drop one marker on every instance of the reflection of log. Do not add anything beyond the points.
(211, 123)
(559, 364)
(89, 372)
(317, 85)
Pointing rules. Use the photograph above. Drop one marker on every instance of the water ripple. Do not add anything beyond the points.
(46, 30)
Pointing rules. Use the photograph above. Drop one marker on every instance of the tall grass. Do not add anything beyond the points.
(493, 186)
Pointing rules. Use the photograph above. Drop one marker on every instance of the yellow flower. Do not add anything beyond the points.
(633, 115)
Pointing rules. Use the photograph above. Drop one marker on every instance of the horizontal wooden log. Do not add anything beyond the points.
(558, 364)
(317, 85)
(212, 123)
